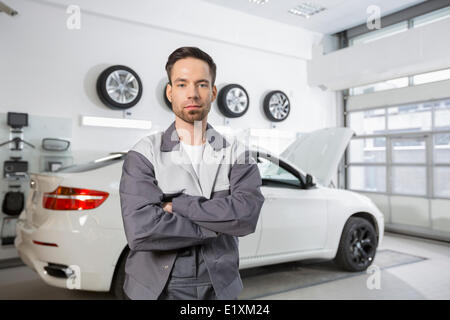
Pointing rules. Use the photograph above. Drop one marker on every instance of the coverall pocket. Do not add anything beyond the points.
(184, 266)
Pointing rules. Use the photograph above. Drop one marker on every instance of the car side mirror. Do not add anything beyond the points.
(309, 181)
(50, 144)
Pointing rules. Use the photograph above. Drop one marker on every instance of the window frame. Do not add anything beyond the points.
(429, 152)
(282, 164)
(410, 15)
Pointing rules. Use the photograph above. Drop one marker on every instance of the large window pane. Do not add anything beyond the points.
(409, 180)
(431, 76)
(431, 17)
(367, 122)
(380, 33)
(371, 150)
(442, 148)
(442, 181)
(442, 116)
(380, 86)
(408, 150)
(371, 178)
(409, 118)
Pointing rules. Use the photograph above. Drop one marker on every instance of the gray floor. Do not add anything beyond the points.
(405, 268)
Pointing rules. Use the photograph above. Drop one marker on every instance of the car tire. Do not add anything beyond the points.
(276, 106)
(119, 277)
(357, 246)
(114, 92)
(233, 101)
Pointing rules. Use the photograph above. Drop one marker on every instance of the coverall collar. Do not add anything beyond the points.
(171, 140)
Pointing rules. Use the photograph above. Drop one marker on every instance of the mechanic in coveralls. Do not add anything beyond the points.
(186, 195)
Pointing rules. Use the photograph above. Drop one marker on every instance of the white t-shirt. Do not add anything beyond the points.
(195, 153)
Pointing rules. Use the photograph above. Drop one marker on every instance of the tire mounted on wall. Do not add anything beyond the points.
(233, 101)
(119, 87)
(276, 106)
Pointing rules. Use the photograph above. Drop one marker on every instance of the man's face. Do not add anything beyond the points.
(191, 92)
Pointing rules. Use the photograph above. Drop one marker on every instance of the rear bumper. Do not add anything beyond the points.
(89, 252)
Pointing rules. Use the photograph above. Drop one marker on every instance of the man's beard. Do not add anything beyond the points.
(192, 115)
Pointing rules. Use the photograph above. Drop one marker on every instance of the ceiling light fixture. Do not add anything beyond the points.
(258, 1)
(306, 10)
(115, 123)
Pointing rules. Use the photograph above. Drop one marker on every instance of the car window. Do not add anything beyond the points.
(271, 171)
(95, 164)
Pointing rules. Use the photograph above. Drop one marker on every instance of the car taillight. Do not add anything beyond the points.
(65, 198)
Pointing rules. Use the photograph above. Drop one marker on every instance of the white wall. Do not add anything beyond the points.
(47, 69)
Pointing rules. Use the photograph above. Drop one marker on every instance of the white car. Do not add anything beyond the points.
(71, 231)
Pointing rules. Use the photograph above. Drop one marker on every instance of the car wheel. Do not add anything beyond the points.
(119, 277)
(233, 101)
(276, 106)
(119, 87)
(358, 245)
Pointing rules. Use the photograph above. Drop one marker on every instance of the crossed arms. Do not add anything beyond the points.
(194, 219)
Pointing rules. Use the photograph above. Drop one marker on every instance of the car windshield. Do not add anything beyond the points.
(95, 164)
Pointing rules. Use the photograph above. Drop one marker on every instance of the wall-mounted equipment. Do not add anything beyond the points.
(17, 141)
(54, 144)
(17, 120)
(15, 168)
(8, 232)
(54, 163)
(276, 106)
(51, 163)
(19, 157)
(233, 101)
(13, 202)
(119, 87)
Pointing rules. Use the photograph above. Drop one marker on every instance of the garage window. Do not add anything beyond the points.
(367, 151)
(441, 171)
(414, 117)
(400, 26)
(401, 150)
(367, 178)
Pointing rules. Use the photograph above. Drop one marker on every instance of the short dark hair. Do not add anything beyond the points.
(194, 52)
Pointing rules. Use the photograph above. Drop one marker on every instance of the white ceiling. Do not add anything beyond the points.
(338, 16)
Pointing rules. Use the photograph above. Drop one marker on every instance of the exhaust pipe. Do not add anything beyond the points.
(59, 270)
(8, 10)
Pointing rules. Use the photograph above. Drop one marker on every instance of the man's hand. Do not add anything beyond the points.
(167, 206)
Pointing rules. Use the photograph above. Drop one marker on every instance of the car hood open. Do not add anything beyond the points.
(319, 152)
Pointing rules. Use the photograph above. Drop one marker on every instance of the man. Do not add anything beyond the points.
(187, 194)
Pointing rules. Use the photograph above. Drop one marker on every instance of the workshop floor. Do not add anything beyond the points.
(409, 268)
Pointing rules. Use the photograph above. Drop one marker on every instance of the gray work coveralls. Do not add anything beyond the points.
(191, 253)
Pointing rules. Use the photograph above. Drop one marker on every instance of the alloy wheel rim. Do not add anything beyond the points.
(279, 106)
(122, 86)
(362, 246)
(236, 100)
